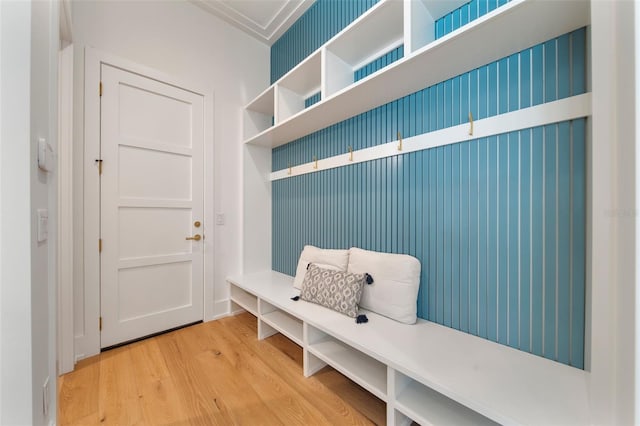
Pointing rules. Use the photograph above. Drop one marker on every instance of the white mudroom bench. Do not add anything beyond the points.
(425, 372)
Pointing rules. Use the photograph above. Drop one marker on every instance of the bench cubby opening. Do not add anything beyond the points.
(423, 405)
(359, 367)
(244, 299)
(281, 321)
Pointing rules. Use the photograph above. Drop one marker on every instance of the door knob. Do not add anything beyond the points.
(196, 237)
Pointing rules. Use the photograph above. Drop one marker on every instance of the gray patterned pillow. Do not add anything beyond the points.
(337, 290)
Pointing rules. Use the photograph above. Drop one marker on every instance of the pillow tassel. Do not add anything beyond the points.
(369, 278)
(295, 298)
(362, 318)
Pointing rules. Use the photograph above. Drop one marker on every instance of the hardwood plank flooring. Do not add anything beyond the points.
(216, 373)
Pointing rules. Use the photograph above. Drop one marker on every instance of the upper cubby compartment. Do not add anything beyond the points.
(509, 29)
(296, 86)
(259, 114)
(375, 33)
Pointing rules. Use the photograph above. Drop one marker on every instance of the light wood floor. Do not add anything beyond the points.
(216, 373)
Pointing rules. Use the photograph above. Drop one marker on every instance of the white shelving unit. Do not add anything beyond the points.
(425, 372)
(499, 383)
(426, 61)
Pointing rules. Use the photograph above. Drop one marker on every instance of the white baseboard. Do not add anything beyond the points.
(237, 312)
(220, 310)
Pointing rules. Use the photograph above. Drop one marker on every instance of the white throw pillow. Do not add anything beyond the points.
(335, 260)
(396, 280)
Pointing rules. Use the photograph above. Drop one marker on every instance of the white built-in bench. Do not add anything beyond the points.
(425, 372)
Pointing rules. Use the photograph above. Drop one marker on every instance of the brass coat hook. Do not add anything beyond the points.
(400, 140)
(315, 165)
(470, 124)
(350, 153)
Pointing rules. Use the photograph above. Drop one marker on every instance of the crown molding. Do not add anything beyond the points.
(281, 16)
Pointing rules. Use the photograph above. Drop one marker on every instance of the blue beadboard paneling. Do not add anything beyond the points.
(502, 223)
(577, 243)
(464, 238)
(474, 236)
(524, 242)
(563, 238)
(498, 223)
(549, 218)
(483, 243)
(513, 253)
(379, 63)
(537, 240)
(465, 14)
(313, 99)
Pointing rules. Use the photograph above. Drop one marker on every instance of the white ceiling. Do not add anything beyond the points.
(265, 20)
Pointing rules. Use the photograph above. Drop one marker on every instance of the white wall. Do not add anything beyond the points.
(15, 283)
(29, 110)
(636, 351)
(614, 215)
(627, 216)
(178, 39)
(1, 223)
(45, 43)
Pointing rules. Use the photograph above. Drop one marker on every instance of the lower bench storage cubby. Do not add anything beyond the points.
(362, 369)
(281, 321)
(244, 299)
(416, 402)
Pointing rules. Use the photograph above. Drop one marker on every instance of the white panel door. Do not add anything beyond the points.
(151, 274)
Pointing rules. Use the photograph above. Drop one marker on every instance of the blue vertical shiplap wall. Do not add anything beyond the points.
(313, 99)
(323, 20)
(384, 60)
(498, 223)
(465, 14)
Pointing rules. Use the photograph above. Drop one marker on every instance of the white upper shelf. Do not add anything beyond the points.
(513, 27)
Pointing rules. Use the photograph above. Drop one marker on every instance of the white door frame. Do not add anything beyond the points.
(88, 343)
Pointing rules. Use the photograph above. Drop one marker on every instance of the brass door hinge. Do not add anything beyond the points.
(100, 323)
(99, 245)
(100, 88)
(99, 166)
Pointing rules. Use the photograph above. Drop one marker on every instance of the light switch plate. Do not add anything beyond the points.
(45, 155)
(43, 225)
(219, 218)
